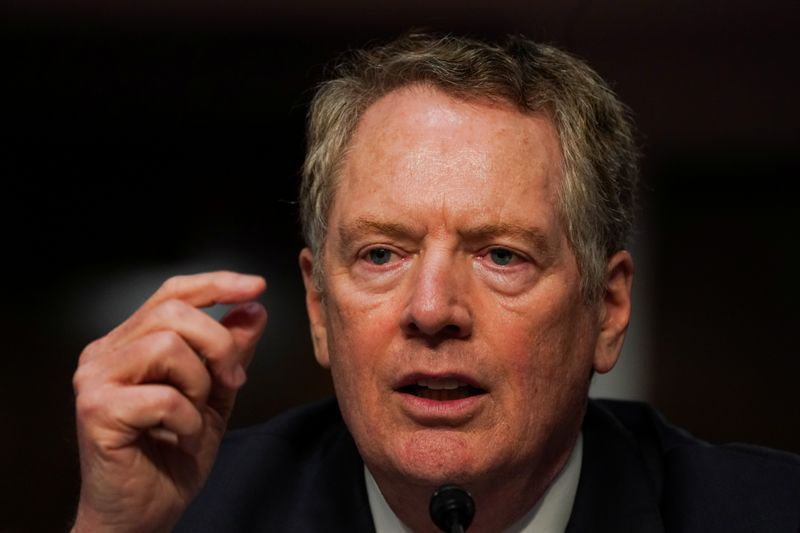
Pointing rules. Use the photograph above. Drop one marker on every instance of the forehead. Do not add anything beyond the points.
(418, 146)
(447, 122)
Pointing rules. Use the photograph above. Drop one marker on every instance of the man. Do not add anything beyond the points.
(466, 207)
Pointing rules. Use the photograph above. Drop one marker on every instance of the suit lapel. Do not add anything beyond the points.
(616, 492)
(339, 497)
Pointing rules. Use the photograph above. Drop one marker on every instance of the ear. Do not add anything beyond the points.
(316, 309)
(615, 311)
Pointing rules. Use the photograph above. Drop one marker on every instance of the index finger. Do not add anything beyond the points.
(209, 288)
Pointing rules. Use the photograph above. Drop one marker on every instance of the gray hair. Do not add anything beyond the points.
(596, 200)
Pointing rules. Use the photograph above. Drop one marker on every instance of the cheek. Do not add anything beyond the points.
(547, 381)
(548, 348)
(359, 338)
(359, 331)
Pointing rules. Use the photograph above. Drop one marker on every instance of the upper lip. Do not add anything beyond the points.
(412, 378)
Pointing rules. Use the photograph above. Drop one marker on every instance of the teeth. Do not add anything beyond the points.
(441, 384)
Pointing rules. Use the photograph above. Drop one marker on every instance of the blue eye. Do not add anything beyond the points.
(501, 256)
(379, 256)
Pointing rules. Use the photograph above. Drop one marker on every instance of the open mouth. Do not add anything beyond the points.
(441, 390)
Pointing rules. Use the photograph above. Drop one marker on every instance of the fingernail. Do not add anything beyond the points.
(251, 308)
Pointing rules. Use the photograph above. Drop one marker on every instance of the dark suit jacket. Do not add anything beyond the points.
(301, 472)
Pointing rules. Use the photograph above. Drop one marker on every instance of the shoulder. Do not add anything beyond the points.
(289, 445)
(297, 432)
(650, 430)
(277, 475)
(702, 485)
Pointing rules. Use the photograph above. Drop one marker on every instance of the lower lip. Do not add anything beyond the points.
(434, 412)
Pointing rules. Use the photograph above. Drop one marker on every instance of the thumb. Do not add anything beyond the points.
(246, 323)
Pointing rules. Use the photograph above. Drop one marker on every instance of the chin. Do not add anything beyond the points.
(434, 457)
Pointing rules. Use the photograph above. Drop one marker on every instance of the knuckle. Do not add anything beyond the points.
(92, 350)
(217, 281)
(168, 399)
(222, 280)
(172, 285)
(89, 403)
(78, 379)
(85, 376)
(166, 341)
(172, 309)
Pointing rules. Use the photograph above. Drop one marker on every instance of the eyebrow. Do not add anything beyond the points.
(353, 231)
(533, 236)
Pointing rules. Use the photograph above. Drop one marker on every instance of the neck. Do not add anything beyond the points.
(501, 499)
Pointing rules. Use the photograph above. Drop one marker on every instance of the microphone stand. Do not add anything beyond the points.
(452, 509)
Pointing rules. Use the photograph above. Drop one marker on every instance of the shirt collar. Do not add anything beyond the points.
(550, 514)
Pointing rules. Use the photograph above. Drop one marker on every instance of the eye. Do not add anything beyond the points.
(379, 256)
(501, 256)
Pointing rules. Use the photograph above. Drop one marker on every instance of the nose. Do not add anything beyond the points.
(438, 303)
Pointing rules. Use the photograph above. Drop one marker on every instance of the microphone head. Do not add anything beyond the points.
(451, 505)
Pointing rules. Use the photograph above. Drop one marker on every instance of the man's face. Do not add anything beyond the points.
(451, 317)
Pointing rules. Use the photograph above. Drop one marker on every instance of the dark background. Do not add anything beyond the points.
(144, 140)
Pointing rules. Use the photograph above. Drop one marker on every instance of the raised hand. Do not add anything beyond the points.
(153, 398)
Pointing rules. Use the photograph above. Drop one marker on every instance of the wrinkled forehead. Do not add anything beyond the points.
(419, 147)
(421, 134)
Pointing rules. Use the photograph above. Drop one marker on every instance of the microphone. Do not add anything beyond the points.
(452, 509)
